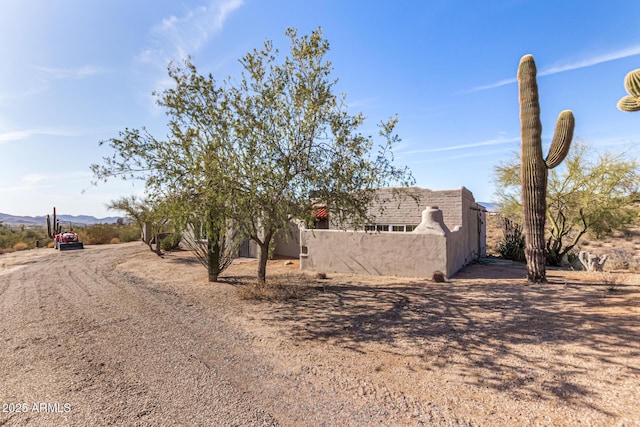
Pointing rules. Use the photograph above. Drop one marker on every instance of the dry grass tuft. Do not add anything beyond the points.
(278, 288)
(114, 241)
(20, 246)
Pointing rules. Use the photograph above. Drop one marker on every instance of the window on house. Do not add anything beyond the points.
(321, 224)
(389, 227)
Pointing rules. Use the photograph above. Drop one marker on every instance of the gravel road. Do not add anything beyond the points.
(114, 335)
(86, 344)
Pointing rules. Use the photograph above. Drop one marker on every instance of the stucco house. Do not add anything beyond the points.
(414, 235)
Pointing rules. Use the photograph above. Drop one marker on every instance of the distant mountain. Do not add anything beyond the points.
(42, 220)
(491, 207)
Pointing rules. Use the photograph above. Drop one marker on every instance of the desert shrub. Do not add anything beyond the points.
(50, 245)
(20, 246)
(620, 259)
(114, 241)
(97, 234)
(129, 233)
(10, 236)
(171, 242)
(512, 244)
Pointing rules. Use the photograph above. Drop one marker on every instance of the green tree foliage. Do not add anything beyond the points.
(250, 155)
(296, 138)
(183, 174)
(591, 192)
(136, 209)
(144, 211)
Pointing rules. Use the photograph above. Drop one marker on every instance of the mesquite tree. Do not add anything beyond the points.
(258, 151)
(632, 85)
(534, 168)
(297, 145)
(183, 174)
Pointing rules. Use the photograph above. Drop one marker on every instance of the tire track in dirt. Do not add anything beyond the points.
(114, 347)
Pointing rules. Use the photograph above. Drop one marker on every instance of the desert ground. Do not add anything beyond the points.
(115, 335)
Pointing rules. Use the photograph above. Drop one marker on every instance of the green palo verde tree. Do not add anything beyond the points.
(591, 192)
(631, 102)
(184, 174)
(250, 155)
(295, 139)
(534, 168)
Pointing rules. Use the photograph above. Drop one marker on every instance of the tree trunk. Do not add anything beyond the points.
(213, 255)
(264, 257)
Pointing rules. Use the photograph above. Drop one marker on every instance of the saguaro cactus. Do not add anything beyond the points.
(534, 169)
(632, 84)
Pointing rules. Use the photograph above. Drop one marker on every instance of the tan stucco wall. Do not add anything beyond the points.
(458, 206)
(287, 243)
(433, 245)
(430, 247)
(387, 254)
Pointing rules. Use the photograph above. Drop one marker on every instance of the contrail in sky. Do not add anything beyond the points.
(589, 62)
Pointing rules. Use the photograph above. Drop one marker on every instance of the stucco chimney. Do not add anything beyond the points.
(432, 223)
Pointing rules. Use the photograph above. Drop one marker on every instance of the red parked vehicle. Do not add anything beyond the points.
(63, 240)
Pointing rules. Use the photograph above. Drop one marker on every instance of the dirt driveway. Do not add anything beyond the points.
(116, 335)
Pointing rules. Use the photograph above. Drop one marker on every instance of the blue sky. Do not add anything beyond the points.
(75, 72)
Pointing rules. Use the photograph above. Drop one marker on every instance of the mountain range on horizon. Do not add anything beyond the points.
(41, 220)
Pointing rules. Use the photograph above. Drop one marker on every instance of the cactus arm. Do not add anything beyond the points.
(561, 139)
(632, 85)
(629, 104)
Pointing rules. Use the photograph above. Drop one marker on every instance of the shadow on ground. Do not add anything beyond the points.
(532, 341)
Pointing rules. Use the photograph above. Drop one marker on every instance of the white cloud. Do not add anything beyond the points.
(37, 181)
(33, 178)
(175, 38)
(23, 134)
(14, 96)
(178, 37)
(496, 141)
(569, 66)
(492, 85)
(589, 62)
(71, 73)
